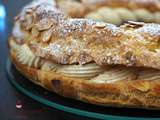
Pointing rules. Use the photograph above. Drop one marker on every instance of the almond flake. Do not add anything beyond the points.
(143, 86)
(46, 35)
(35, 32)
(44, 24)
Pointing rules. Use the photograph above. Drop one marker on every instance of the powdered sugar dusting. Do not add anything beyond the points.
(49, 5)
(49, 13)
(152, 29)
(86, 26)
(54, 49)
(114, 29)
(75, 25)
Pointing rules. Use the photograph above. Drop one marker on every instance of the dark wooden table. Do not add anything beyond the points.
(9, 96)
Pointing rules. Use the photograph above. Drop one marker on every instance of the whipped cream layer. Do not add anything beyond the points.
(116, 74)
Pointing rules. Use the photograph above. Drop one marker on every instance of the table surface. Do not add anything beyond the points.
(9, 96)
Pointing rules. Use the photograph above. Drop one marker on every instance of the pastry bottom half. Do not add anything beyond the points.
(126, 93)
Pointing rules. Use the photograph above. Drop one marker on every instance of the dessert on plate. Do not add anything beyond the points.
(88, 60)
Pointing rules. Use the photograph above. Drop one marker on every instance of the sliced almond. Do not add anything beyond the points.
(37, 62)
(46, 35)
(143, 86)
(35, 32)
(100, 25)
(44, 24)
(28, 22)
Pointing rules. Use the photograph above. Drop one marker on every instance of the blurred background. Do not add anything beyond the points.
(8, 9)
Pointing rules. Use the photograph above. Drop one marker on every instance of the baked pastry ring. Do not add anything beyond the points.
(113, 11)
(83, 59)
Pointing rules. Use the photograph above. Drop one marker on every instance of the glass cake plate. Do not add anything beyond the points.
(74, 106)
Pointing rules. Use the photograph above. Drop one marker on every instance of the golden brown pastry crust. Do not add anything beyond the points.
(120, 15)
(151, 5)
(133, 93)
(72, 8)
(113, 11)
(68, 41)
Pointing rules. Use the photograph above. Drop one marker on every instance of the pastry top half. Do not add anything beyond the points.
(52, 35)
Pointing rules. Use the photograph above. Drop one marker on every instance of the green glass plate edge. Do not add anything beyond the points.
(65, 108)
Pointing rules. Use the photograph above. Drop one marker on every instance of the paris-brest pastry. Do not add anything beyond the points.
(89, 60)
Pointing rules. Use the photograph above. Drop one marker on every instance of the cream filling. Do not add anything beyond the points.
(25, 56)
(115, 74)
(14, 46)
(80, 71)
(90, 71)
(48, 66)
(149, 75)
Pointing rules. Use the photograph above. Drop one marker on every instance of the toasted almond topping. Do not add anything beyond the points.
(44, 24)
(35, 32)
(100, 25)
(46, 35)
(143, 86)
(28, 22)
